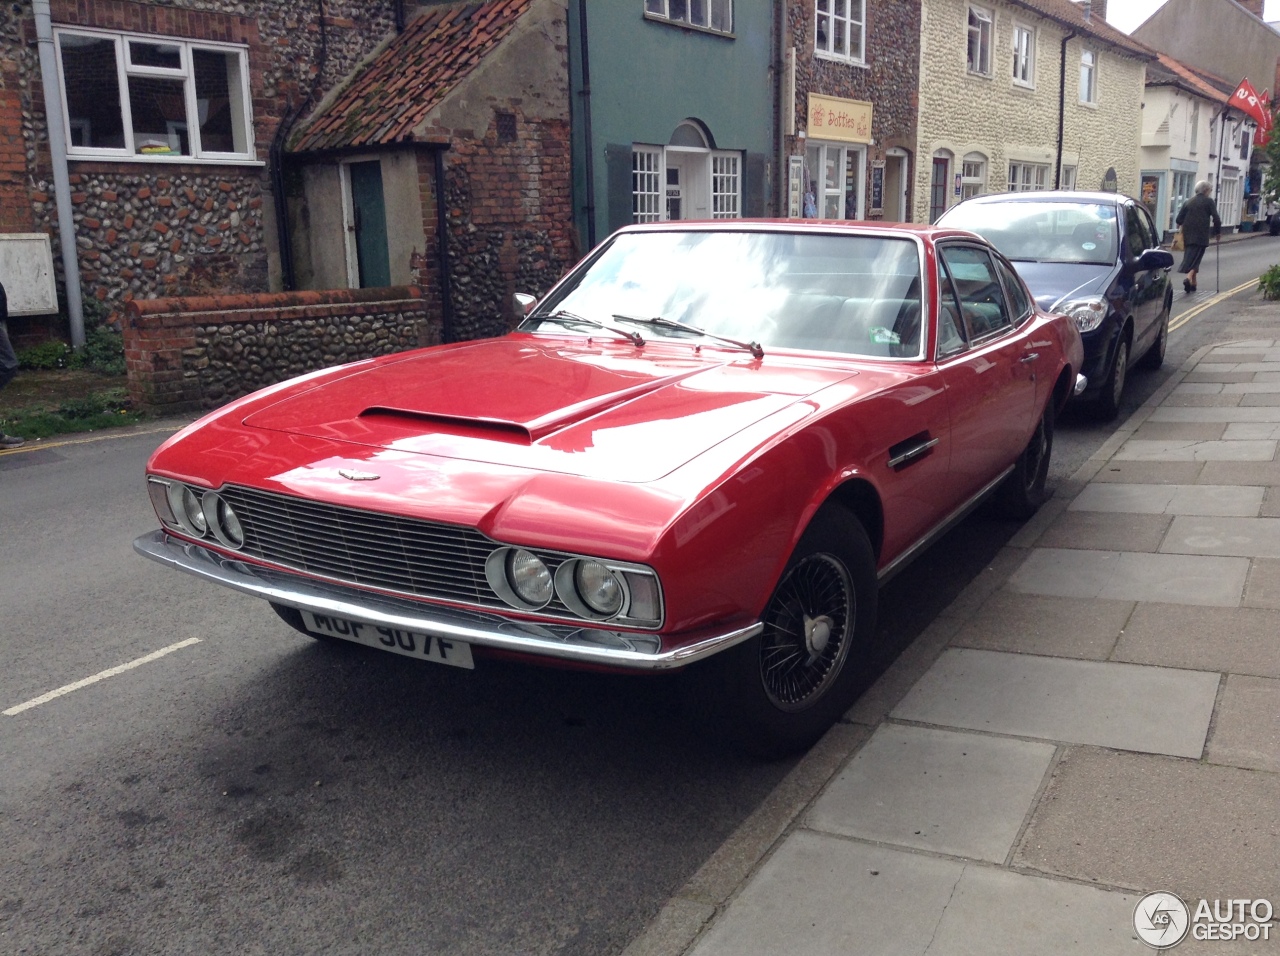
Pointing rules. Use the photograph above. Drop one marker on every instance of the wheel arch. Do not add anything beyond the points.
(860, 498)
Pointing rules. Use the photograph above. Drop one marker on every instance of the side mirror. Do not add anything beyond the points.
(1154, 259)
(523, 303)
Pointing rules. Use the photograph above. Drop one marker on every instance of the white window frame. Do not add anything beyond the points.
(1024, 55)
(1068, 178)
(648, 184)
(983, 31)
(1089, 76)
(973, 175)
(854, 20)
(843, 153)
(681, 12)
(1228, 199)
(726, 185)
(1195, 127)
(1024, 176)
(185, 72)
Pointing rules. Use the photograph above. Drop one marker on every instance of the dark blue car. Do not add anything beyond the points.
(1094, 257)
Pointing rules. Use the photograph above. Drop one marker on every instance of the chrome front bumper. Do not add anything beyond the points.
(627, 650)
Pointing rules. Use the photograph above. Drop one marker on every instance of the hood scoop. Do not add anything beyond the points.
(492, 429)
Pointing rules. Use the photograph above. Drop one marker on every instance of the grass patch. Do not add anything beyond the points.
(86, 411)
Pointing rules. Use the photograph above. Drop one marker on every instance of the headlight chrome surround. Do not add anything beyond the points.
(633, 597)
(222, 521)
(187, 507)
(1087, 313)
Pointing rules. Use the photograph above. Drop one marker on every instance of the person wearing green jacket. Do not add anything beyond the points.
(1195, 217)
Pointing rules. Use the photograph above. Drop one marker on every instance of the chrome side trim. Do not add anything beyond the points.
(953, 519)
(623, 649)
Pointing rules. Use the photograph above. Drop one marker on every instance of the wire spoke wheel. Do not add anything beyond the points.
(807, 632)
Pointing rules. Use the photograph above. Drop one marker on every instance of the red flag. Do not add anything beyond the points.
(1247, 100)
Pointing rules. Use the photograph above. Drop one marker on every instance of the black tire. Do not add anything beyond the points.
(1107, 405)
(777, 693)
(1153, 358)
(1023, 492)
(293, 617)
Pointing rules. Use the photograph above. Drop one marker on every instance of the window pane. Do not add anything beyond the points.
(93, 91)
(159, 116)
(678, 9)
(698, 12)
(720, 15)
(220, 102)
(167, 55)
(656, 6)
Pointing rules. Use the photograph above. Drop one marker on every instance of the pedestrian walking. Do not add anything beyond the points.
(8, 363)
(1195, 217)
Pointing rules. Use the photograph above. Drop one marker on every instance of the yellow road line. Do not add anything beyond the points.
(34, 446)
(1190, 314)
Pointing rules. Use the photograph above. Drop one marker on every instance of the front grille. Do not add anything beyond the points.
(407, 555)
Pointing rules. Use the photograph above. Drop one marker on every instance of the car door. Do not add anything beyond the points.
(1143, 288)
(990, 376)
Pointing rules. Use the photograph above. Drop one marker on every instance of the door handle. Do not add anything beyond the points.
(910, 453)
(1029, 357)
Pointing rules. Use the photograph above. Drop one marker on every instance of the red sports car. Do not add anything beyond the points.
(703, 450)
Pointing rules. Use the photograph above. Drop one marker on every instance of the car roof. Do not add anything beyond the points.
(863, 227)
(1051, 195)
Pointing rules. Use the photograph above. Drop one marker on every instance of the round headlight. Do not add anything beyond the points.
(223, 521)
(598, 587)
(188, 509)
(530, 579)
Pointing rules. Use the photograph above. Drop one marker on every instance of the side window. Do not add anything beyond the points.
(950, 329)
(1138, 237)
(982, 303)
(1020, 305)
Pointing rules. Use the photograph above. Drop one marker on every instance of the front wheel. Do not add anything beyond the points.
(1107, 406)
(777, 693)
(1154, 356)
(1023, 492)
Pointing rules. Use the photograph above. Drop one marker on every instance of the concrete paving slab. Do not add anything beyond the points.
(820, 895)
(1271, 503)
(998, 913)
(1169, 499)
(1202, 431)
(1264, 368)
(1125, 706)
(1262, 587)
(1106, 531)
(1225, 377)
(1203, 401)
(937, 790)
(1188, 450)
(1239, 473)
(1252, 431)
(1126, 576)
(1259, 400)
(1251, 388)
(1134, 820)
(1243, 537)
(1197, 388)
(1246, 728)
(1050, 626)
(1228, 640)
(1152, 472)
(1215, 415)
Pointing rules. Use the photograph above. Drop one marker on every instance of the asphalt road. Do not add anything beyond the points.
(258, 792)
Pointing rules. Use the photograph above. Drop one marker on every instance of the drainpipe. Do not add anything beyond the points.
(399, 16)
(442, 251)
(1062, 106)
(61, 180)
(589, 160)
(782, 194)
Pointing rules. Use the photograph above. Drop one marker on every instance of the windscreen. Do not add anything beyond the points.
(1043, 231)
(858, 295)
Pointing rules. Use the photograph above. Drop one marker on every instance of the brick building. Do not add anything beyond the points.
(851, 74)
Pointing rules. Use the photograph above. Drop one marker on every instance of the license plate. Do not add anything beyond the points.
(425, 647)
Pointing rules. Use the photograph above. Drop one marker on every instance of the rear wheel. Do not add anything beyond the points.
(1023, 492)
(779, 692)
(1107, 405)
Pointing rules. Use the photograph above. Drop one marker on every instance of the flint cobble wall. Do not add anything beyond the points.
(201, 352)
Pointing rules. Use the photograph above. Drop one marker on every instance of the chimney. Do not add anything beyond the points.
(1086, 8)
(1253, 6)
(1100, 9)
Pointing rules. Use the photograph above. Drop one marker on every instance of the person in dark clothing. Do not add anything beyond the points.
(8, 363)
(1194, 217)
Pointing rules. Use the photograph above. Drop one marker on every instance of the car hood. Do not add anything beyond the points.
(576, 407)
(1051, 282)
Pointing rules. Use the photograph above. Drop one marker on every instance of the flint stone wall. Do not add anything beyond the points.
(200, 352)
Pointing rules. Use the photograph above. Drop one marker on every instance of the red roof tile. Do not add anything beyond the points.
(389, 97)
(1071, 14)
(1204, 84)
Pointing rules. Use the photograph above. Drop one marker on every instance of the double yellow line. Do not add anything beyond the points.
(40, 446)
(1191, 313)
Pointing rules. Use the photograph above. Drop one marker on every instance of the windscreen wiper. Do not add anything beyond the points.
(565, 317)
(662, 322)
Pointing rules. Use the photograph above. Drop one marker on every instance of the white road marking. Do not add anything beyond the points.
(109, 672)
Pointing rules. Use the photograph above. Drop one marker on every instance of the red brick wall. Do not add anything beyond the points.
(15, 208)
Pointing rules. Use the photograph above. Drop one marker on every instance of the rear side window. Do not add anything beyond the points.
(982, 302)
(1020, 305)
(950, 328)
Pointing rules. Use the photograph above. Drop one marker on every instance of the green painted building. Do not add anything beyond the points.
(673, 110)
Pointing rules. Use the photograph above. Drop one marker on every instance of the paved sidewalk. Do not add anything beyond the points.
(1095, 718)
